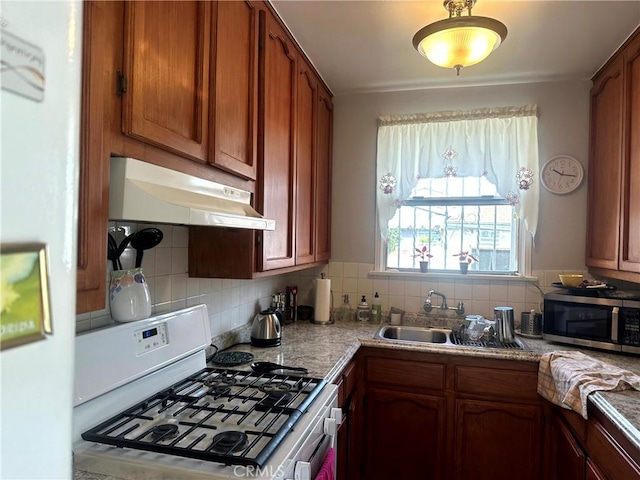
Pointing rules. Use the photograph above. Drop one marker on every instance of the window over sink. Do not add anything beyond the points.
(448, 218)
(458, 191)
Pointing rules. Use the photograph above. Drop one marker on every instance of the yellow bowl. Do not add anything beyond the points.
(571, 280)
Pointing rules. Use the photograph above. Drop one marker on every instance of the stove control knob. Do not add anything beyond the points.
(337, 414)
(330, 426)
(302, 471)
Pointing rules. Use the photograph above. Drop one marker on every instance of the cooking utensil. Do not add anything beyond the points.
(121, 248)
(266, 367)
(144, 240)
(112, 248)
(265, 329)
(531, 324)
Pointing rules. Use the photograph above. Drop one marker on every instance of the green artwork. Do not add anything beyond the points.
(24, 306)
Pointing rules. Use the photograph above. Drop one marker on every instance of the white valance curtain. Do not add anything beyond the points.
(499, 143)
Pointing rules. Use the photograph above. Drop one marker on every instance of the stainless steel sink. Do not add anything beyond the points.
(442, 337)
(414, 334)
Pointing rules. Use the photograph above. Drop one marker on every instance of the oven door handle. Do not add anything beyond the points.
(614, 323)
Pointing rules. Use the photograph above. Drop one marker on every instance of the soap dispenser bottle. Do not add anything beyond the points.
(346, 311)
(376, 308)
(363, 312)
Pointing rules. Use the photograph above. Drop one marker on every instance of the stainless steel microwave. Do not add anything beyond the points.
(604, 323)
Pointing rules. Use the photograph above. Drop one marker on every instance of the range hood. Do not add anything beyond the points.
(143, 192)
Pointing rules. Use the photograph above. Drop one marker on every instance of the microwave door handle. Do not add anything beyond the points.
(614, 323)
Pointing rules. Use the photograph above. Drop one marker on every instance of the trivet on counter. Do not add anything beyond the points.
(231, 359)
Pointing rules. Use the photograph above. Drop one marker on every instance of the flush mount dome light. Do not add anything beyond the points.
(459, 41)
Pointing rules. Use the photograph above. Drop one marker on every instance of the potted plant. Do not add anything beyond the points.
(465, 259)
(424, 255)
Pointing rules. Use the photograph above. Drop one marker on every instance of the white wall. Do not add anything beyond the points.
(562, 129)
(39, 204)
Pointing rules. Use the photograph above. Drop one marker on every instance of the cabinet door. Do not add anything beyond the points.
(603, 202)
(102, 22)
(166, 64)
(404, 435)
(276, 151)
(496, 441)
(568, 461)
(593, 472)
(323, 175)
(235, 92)
(630, 236)
(305, 163)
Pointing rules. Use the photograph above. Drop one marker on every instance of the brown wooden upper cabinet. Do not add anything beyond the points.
(216, 90)
(294, 170)
(277, 156)
(613, 221)
(190, 80)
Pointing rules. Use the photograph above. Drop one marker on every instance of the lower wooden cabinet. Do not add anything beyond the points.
(404, 431)
(567, 460)
(349, 400)
(593, 473)
(496, 440)
(450, 417)
(593, 449)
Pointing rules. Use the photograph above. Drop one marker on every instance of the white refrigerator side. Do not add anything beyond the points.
(38, 203)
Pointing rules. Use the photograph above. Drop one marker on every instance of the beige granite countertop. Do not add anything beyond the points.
(325, 349)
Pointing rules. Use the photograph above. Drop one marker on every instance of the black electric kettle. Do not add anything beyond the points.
(266, 330)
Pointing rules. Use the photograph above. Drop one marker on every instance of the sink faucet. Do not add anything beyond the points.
(443, 305)
(428, 304)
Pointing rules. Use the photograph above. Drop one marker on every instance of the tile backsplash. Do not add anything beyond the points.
(230, 303)
(233, 303)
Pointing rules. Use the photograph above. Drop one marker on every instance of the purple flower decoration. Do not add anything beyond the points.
(139, 278)
(450, 171)
(512, 198)
(525, 178)
(449, 154)
(387, 183)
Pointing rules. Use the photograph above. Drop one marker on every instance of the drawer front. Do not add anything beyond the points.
(405, 373)
(501, 383)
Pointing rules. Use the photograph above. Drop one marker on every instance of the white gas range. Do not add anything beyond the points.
(147, 406)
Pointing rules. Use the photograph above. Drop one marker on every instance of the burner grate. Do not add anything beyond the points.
(219, 415)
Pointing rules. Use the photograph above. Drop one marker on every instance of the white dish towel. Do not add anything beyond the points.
(567, 378)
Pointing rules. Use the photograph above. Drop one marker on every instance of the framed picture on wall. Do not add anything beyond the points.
(25, 314)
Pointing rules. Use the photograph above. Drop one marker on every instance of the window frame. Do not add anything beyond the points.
(525, 247)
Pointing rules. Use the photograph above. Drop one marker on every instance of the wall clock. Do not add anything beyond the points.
(561, 174)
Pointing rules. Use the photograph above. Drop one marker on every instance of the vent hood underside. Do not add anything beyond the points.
(144, 192)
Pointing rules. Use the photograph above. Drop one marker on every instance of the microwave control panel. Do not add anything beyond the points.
(631, 326)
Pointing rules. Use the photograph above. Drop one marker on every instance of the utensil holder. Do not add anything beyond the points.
(129, 296)
(504, 326)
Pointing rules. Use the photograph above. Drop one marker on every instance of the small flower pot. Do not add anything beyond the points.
(464, 267)
(424, 267)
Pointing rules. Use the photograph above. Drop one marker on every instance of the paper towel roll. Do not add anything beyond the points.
(322, 309)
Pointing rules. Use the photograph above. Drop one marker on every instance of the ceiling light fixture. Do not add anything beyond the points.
(459, 41)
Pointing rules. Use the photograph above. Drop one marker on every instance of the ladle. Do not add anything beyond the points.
(144, 240)
(266, 367)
